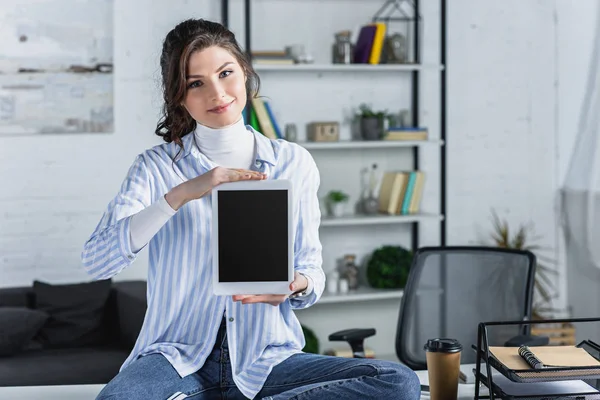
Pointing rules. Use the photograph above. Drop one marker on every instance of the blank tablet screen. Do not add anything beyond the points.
(253, 235)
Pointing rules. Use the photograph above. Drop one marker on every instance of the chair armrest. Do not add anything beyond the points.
(131, 308)
(355, 338)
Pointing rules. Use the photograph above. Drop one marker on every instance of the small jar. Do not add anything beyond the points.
(344, 286)
(291, 133)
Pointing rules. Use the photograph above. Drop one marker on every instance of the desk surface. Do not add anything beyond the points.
(465, 391)
(82, 392)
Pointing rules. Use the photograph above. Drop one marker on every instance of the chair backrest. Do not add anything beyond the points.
(450, 290)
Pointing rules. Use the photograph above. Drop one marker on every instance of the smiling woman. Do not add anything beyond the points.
(194, 343)
(206, 79)
(216, 92)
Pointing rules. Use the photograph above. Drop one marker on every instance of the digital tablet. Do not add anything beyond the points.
(252, 237)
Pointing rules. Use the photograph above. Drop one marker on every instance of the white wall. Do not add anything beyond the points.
(514, 81)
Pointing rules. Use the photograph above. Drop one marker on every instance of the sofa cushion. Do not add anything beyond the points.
(76, 313)
(18, 325)
(61, 367)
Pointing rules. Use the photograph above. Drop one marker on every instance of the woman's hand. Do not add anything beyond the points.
(299, 284)
(201, 185)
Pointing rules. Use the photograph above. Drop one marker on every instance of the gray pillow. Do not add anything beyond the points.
(18, 325)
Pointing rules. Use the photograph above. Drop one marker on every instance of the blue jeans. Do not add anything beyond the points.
(302, 376)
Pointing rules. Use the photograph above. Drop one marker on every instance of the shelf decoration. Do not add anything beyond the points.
(336, 203)
(402, 23)
(388, 267)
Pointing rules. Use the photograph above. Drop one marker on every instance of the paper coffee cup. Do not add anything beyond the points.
(443, 368)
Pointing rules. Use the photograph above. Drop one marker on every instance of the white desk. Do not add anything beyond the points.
(72, 392)
(465, 391)
(89, 392)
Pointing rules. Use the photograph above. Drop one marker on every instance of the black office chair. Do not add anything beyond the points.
(449, 291)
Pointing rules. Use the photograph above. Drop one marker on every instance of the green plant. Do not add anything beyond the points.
(388, 267)
(523, 239)
(365, 111)
(337, 196)
(312, 342)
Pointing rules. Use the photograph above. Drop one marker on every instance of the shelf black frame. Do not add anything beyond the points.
(484, 357)
(415, 79)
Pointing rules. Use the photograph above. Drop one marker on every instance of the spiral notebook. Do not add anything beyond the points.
(571, 357)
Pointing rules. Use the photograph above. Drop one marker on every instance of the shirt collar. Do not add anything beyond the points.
(265, 150)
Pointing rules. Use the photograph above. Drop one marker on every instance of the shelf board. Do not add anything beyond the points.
(378, 219)
(347, 67)
(361, 294)
(367, 144)
(366, 293)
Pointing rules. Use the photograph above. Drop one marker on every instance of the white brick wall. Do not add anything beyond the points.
(502, 128)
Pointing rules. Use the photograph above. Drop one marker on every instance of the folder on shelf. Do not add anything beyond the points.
(547, 389)
(391, 191)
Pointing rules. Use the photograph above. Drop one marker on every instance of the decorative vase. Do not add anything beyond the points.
(337, 209)
(370, 205)
(371, 128)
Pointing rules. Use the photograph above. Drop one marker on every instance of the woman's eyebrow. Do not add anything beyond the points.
(218, 69)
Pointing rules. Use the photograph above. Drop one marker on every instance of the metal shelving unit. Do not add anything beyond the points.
(413, 69)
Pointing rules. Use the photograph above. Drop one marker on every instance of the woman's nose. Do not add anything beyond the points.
(217, 92)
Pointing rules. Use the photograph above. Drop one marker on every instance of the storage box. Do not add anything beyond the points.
(323, 132)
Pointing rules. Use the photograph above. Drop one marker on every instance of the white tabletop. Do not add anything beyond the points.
(71, 392)
(465, 391)
(84, 392)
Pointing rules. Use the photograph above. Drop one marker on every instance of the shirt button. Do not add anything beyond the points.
(230, 319)
(257, 163)
(130, 257)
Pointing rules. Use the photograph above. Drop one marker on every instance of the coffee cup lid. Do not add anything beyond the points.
(443, 345)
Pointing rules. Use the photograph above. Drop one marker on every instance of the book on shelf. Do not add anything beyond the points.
(259, 114)
(405, 133)
(400, 192)
(369, 44)
(274, 57)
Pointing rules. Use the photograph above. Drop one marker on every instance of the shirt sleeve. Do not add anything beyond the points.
(307, 248)
(108, 250)
(147, 223)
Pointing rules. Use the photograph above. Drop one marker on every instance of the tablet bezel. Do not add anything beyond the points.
(241, 288)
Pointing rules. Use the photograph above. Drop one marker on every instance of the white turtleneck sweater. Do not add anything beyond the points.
(229, 147)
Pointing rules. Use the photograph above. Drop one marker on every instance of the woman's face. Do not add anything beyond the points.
(216, 87)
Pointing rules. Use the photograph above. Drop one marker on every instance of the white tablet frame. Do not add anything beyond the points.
(241, 288)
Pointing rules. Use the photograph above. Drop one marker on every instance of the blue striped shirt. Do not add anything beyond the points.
(183, 315)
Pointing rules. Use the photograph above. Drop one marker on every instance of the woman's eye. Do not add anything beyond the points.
(225, 73)
(194, 84)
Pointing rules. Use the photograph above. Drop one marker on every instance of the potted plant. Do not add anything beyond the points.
(544, 290)
(388, 267)
(336, 203)
(371, 122)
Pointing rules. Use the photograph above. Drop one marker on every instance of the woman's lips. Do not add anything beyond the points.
(221, 109)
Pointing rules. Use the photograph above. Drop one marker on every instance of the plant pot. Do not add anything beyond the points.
(371, 128)
(337, 209)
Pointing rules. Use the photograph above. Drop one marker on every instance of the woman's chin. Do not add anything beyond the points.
(223, 120)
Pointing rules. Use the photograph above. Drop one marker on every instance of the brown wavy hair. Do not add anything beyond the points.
(180, 43)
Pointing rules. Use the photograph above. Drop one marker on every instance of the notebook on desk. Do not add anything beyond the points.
(575, 361)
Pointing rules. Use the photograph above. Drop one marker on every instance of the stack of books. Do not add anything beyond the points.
(400, 192)
(274, 57)
(259, 114)
(542, 371)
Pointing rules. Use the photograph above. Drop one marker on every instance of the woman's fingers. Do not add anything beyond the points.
(240, 175)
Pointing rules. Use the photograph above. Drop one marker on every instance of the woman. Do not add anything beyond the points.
(193, 344)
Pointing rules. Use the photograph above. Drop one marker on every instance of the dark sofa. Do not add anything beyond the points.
(96, 359)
